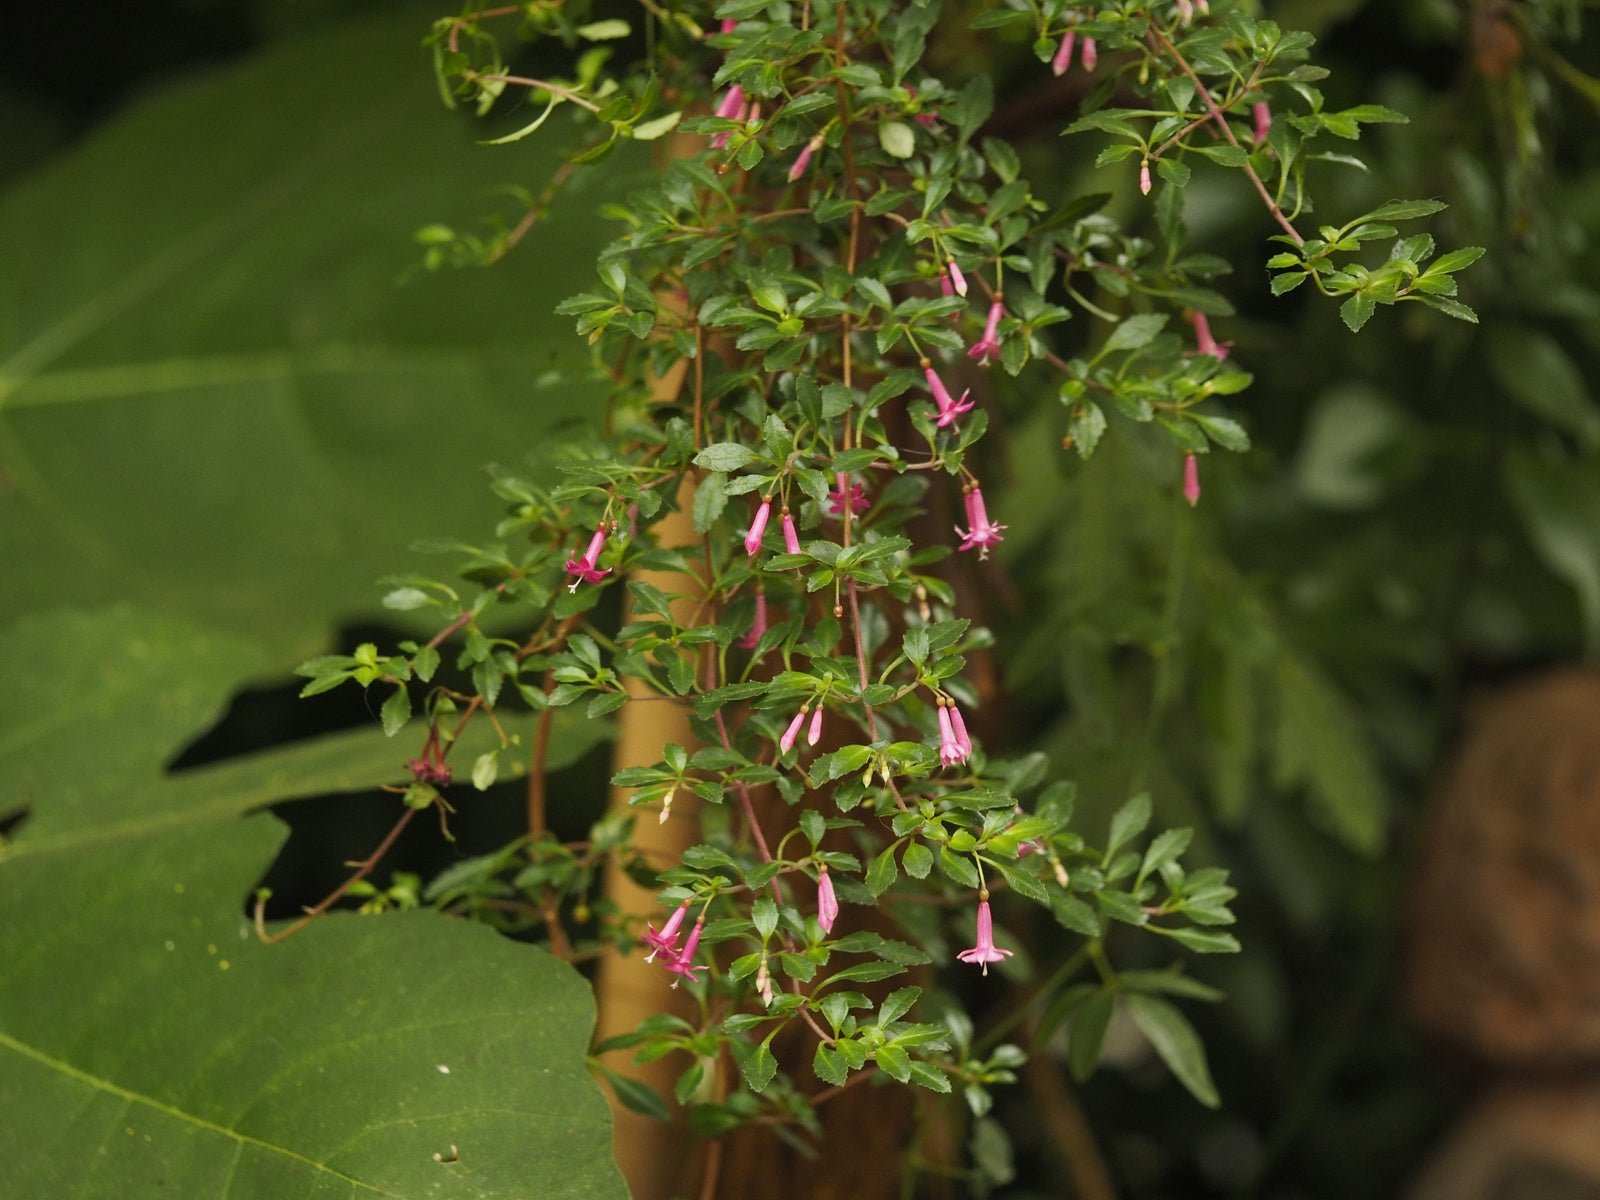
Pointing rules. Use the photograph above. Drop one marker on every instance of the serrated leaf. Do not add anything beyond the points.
(1087, 1033)
(725, 456)
(759, 1067)
(1357, 311)
(396, 711)
(1136, 332)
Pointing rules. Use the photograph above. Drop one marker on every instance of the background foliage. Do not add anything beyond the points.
(216, 405)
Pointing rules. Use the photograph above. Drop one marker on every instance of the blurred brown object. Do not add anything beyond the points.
(1504, 963)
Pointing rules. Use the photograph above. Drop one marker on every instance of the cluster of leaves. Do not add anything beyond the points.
(815, 253)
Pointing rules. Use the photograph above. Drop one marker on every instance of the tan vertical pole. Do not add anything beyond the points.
(651, 1153)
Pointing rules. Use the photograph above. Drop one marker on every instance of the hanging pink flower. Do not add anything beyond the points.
(684, 964)
(949, 409)
(1204, 343)
(758, 527)
(987, 348)
(1144, 177)
(665, 942)
(733, 107)
(802, 162)
(1191, 480)
(786, 742)
(759, 626)
(985, 951)
(814, 734)
(764, 981)
(1262, 112)
(980, 532)
(958, 726)
(584, 570)
(1063, 59)
(827, 902)
(791, 539)
(1090, 55)
(950, 752)
(1185, 11)
(957, 279)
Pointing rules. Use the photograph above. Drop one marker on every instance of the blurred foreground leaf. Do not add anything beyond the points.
(216, 394)
(151, 1046)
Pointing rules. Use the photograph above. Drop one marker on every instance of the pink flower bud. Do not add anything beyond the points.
(814, 734)
(802, 161)
(786, 742)
(1090, 55)
(1063, 58)
(957, 279)
(1144, 177)
(827, 902)
(1262, 112)
(1191, 480)
(752, 539)
(791, 539)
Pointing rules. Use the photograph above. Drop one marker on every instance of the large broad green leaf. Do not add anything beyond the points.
(217, 396)
(151, 1046)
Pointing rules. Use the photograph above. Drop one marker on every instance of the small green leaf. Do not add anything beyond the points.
(897, 139)
(396, 711)
(1176, 1042)
(894, 1062)
(1127, 823)
(917, 860)
(648, 131)
(604, 31)
(725, 456)
(883, 872)
(1357, 311)
(485, 770)
(1135, 332)
(759, 1067)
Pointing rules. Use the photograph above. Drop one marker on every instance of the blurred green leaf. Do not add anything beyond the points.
(152, 1046)
(202, 311)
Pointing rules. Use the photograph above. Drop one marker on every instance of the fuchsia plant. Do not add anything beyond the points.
(801, 267)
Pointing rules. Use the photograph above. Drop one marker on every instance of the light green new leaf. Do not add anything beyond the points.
(152, 1047)
(218, 395)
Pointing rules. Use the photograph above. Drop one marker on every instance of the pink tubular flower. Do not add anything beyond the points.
(814, 734)
(949, 409)
(1090, 55)
(1204, 343)
(729, 24)
(1191, 480)
(827, 902)
(759, 625)
(957, 280)
(791, 540)
(802, 161)
(987, 348)
(684, 964)
(985, 951)
(980, 532)
(786, 742)
(950, 753)
(752, 538)
(1185, 11)
(665, 942)
(844, 491)
(732, 106)
(958, 726)
(1063, 58)
(1144, 177)
(583, 570)
(1262, 112)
